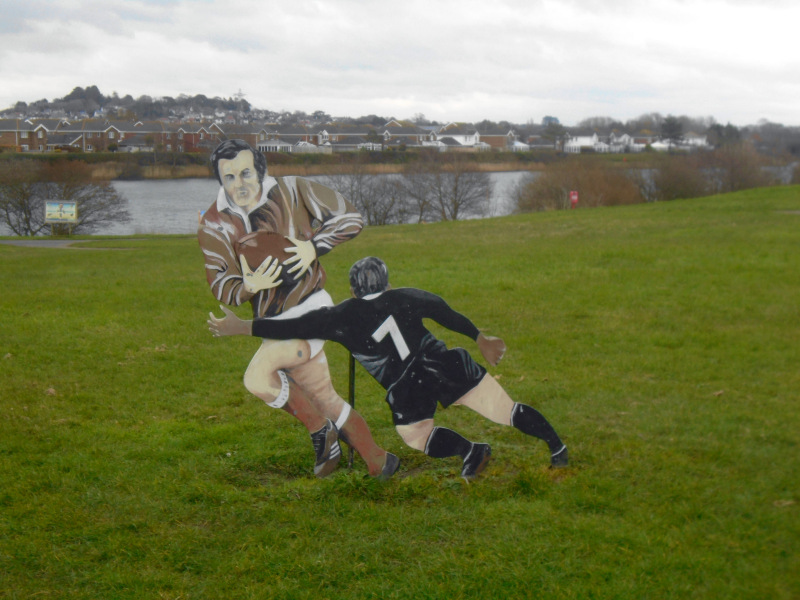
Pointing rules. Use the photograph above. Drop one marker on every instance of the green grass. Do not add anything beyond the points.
(661, 340)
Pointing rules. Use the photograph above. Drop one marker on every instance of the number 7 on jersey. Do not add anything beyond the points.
(389, 327)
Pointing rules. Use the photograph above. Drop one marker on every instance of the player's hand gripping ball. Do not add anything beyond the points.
(259, 245)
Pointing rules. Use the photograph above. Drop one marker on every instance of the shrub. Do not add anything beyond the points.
(735, 167)
(679, 176)
(597, 182)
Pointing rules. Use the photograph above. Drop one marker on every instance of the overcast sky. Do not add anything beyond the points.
(451, 60)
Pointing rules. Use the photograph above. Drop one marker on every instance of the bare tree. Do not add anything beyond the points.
(678, 176)
(418, 187)
(461, 191)
(379, 198)
(22, 203)
(25, 187)
(389, 203)
(735, 167)
(447, 187)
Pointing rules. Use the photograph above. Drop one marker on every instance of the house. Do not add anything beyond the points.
(644, 138)
(291, 134)
(224, 131)
(498, 139)
(465, 137)
(194, 137)
(31, 135)
(695, 140)
(448, 142)
(346, 137)
(16, 135)
(623, 142)
(274, 144)
(582, 143)
(310, 148)
(397, 133)
(463, 134)
(537, 142)
(137, 142)
(97, 135)
(63, 142)
(518, 146)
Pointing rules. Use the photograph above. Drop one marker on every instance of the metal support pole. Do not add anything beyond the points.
(352, 399)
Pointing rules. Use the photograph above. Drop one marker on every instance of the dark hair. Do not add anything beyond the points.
(229, 149)
(369, 276)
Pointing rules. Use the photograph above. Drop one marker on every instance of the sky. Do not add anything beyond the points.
(737, 61)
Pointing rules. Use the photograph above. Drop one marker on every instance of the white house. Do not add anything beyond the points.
(578, 144)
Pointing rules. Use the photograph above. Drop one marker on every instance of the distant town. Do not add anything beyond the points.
(87, 121)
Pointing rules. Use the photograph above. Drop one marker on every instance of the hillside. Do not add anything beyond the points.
(660, 339)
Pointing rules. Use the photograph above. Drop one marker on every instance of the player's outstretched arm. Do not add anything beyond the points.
(492, 348)
(230, 324)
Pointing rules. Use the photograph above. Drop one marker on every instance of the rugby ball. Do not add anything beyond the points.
(259, 245)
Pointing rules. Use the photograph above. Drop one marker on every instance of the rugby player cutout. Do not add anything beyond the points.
(383, 329)
(261, 240)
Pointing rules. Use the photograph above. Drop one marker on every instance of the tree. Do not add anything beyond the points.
(379, 198)
(719, 135)
(419, 119)
(672, 130)
(373, 137)
(389, 201)
(555, 133)
(600, 124)
(458, 190)
(445, 187)
(735, 167)
(26, 186)
(486, 125)
(21, 202)
(647, 122)
(418, 186)
(677, 176)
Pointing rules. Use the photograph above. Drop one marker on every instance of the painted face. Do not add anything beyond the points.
(240, 180)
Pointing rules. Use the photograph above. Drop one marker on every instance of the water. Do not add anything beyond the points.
(163, 206)
(172, 206)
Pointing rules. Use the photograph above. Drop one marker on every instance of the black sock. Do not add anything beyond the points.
(531, 422)
(445, 442)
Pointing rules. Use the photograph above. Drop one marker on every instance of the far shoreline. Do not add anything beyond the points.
(115, 171)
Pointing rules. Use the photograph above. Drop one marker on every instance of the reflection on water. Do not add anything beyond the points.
(172, 206)
(169, 206)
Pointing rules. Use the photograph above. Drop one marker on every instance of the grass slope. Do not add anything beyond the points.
(661, 341)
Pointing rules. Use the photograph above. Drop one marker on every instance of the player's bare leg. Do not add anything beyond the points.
(266, 379)
(490, 400)
(314, 377)
(441, 442)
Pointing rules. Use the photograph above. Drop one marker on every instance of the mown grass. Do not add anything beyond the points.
(661, 340)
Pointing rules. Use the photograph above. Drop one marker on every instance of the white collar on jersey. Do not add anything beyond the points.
(371, 296)
(224, 202)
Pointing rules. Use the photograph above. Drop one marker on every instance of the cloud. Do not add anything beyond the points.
(451, 60)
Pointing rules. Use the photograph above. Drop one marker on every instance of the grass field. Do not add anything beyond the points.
(661, 340)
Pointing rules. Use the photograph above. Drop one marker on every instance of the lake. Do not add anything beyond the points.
(171, 206)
